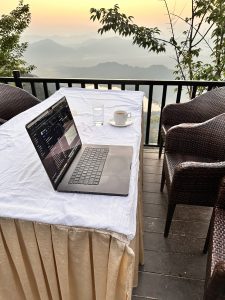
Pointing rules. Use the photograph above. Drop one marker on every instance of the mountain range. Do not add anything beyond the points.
(112, 57)
(115, 70)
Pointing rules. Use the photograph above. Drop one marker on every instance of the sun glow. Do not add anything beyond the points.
(69, 16)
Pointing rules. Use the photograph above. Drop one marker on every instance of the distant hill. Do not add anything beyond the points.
(116, 70)
(111, 47)
(49, 55)
(47, 51)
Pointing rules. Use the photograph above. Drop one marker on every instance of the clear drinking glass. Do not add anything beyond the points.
(98, 114)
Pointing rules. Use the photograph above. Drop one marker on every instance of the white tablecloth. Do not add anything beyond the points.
(25, 189)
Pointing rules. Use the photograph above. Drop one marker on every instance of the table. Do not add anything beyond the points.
(69, 246)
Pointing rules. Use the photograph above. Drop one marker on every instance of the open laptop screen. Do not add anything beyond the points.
(55, 138)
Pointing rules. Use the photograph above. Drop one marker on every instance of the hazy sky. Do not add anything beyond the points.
(72, 16)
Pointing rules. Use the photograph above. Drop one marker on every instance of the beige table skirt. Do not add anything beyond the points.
(42, 261)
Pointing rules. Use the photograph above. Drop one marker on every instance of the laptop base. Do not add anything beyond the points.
(115, 178)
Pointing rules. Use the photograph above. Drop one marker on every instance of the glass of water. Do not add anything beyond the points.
(98, 114)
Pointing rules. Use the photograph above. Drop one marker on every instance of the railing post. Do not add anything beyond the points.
(163, 103)
(18, 82)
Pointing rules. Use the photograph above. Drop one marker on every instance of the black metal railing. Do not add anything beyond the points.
(156, 92)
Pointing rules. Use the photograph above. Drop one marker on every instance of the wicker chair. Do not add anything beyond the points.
(2, 121)
(215, 270)
(13, 101)
(194, 163)
(200, 109)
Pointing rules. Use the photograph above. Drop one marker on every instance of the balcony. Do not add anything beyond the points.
(174, 267)
(158, 93)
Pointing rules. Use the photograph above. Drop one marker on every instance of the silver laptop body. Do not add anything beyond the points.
(57, 142)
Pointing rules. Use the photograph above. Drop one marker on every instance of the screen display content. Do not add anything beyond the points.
(56, 139)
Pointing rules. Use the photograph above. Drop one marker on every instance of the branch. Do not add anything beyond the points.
(173, 39)
(203, 36)
(199, 25)
(192, 26)
(112, 19)
(190, 63)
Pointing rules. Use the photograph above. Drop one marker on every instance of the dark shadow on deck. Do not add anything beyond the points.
(174, 268)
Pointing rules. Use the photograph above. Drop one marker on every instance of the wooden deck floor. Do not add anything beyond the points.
(174, 267)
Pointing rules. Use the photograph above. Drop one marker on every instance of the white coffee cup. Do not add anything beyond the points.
(120, 117)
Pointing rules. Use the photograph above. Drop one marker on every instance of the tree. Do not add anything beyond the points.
(11, 49)
(207, 19)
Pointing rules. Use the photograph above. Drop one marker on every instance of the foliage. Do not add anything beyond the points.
(188, 51)
(207, 19)
(11, 50)
(112, 19)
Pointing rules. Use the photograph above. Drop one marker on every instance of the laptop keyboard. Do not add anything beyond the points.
(89, 169)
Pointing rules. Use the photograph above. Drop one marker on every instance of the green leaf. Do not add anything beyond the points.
(187, 47)
(11, 50)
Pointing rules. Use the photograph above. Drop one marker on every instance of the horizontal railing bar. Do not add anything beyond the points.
(10, 79)
(151, 145)
(119, 81)
(4, 81)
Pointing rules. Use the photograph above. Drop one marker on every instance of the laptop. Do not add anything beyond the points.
(73, 166)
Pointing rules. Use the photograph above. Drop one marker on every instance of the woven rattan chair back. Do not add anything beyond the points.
(14, 100)
(198, 110)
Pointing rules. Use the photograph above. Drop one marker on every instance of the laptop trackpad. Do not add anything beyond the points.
(114, 164)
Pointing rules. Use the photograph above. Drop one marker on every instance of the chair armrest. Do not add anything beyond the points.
(198, 178)
(2, 121)
(200, 171)
(204, 139)
(199, 109)
(177, 113)
(205, 169)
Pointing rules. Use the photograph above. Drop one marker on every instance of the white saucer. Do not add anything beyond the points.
(128, 122)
